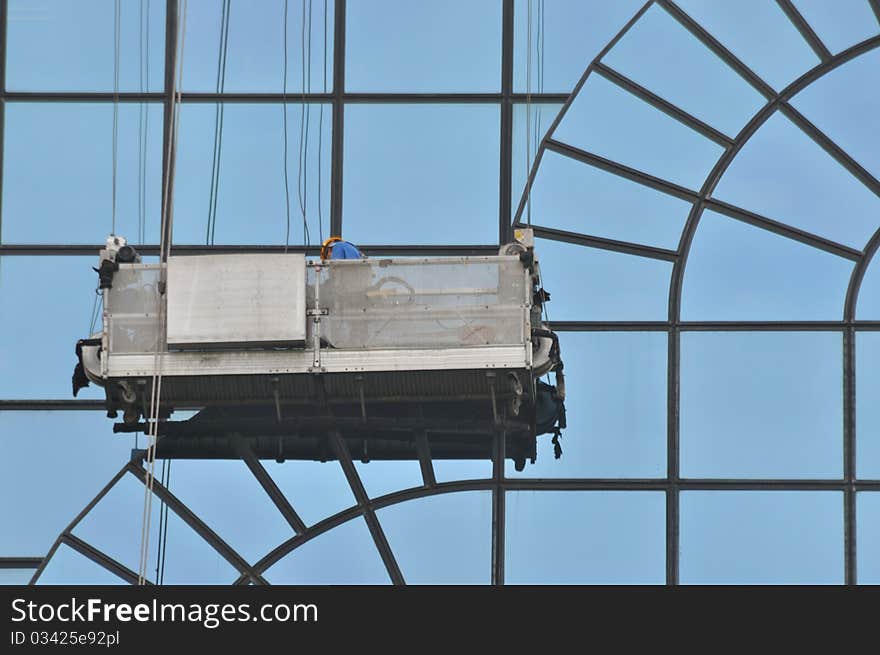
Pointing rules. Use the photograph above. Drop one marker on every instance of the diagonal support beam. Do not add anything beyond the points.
(424, 450)
(268, 484)
(188, 516)
(804, 28)
(101, 558)
(340, 449)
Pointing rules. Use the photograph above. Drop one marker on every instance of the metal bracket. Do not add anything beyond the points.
(322, 311)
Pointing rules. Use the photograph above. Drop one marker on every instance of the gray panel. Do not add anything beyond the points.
(236, 300)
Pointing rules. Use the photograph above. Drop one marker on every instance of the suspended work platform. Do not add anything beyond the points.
(399, 357)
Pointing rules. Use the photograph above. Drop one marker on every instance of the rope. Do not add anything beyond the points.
(219, 107)
(321, 133)
(116, 35)
(284, 126)
(165, 251)
(529, 110)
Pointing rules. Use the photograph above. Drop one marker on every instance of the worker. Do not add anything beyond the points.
(336, 248)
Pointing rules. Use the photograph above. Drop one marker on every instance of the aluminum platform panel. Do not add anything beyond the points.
(236, 300)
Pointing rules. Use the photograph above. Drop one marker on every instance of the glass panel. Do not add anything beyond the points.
(761, 537)
(251, 201)
(389, 49)
(845, 105)
(759, 34)
(588, 284)
(868, 535)
(114, 526)
(451, 470)
(783, 174)
(255, 46)
(385, 477)
(616, 408)
(585, 537)
(316, 490)
(868, 306)
(421, 173)
(572, 34)
(16, 576)
(736, 271)
(684, 71)
(445, 539)
(67, 148)
(612, 123)
(226, 496)
(841, 23)
(576, 197)
(344, 555)
(38, 340)
(68, 567)
(761, 404)
(867, 407)
(39, 479)
(68, 45)
(529, 127)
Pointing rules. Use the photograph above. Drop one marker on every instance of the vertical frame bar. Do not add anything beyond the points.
(171, 29)
(672, 455)
(849, 455)
(498, 507)
(505, 175)
(337, 137)
(4, 10)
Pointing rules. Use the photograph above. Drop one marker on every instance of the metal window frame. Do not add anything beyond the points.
(499, 485)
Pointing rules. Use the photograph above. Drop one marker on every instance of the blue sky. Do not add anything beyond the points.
(753, 404)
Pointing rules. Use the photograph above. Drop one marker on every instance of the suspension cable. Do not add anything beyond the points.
(116, 35)
(303, 126)
(219, 107)
(528, 129)
(165, 251)
(321, 133)
(284, 128)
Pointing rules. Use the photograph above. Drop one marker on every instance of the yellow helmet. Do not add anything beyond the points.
(328, 243)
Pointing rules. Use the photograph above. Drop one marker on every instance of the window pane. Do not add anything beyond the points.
(736, 271)
(227, 497)
(588, 284)
(576, 197)
(255, 46)
(67, 149)
(868, 306)
(344, 555)
(846, 107)
(16, 576)
(68, 45)
(761, 404)
(757, 32)
(38, 339)
(251, 199)
(616, 408)
(385, 477)
(585, 537)
(684, 71)
(114, 526)
(42, 493)
(868, 532)
(573, 33)
(867, 407)
(841, 23)
(529, 127)
(451, 470)
(316, 490)
(783, 174)
(68, 567)
(445, 539)
(421, 173)
(413, 47)
(612, 123)
(761, 537)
